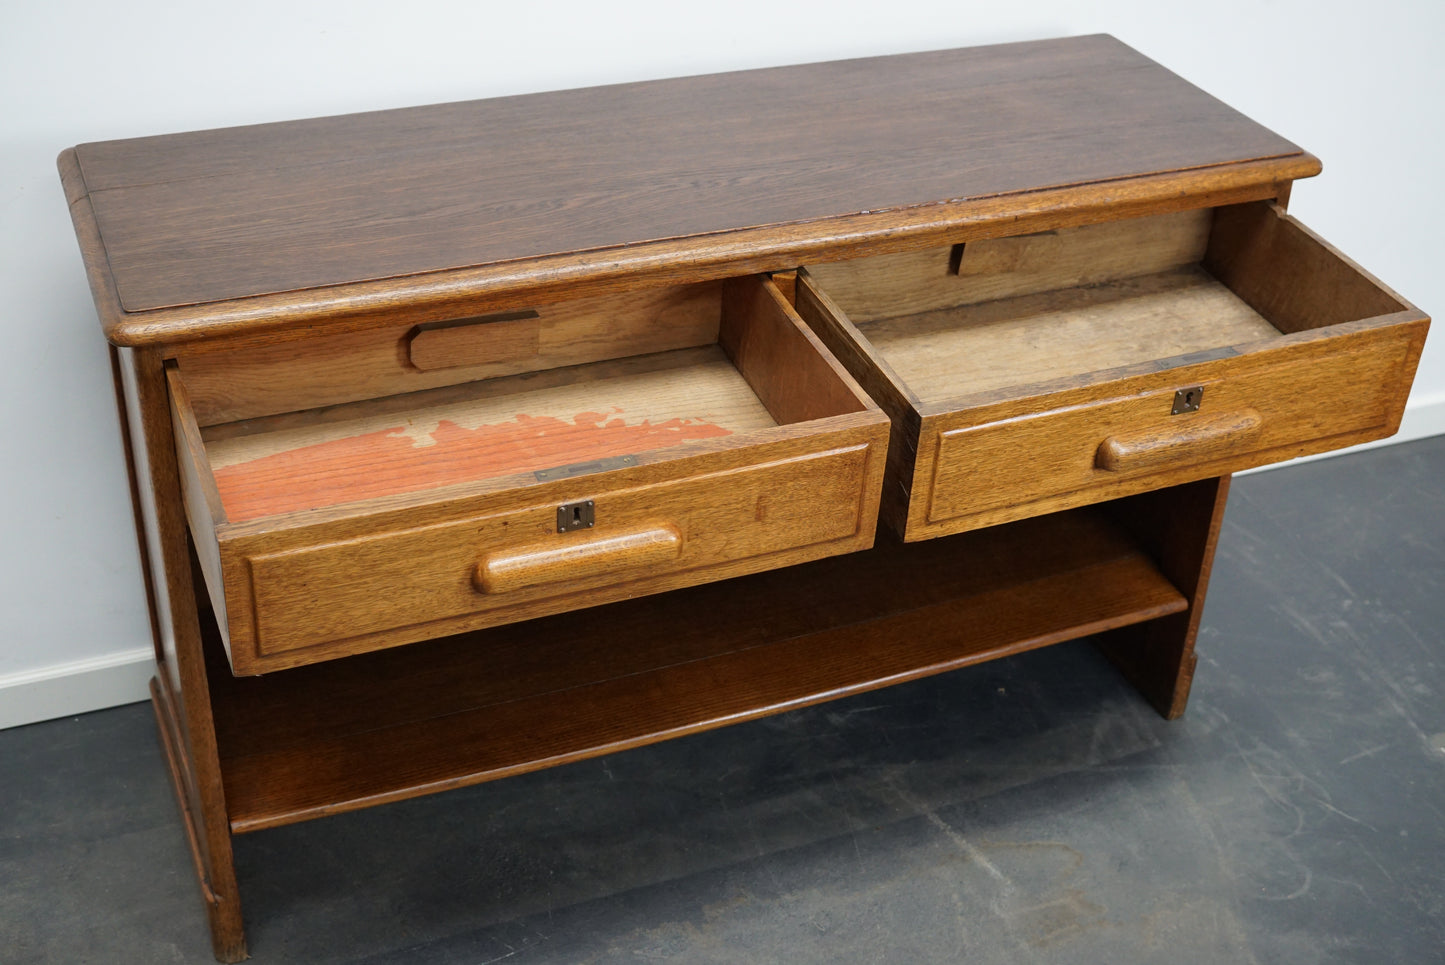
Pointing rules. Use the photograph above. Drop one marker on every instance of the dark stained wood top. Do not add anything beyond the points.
(214, 216)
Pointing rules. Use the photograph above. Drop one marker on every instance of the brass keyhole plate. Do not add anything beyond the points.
(1187, 400)
(578, 515)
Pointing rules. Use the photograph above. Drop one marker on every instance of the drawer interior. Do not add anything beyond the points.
(753, 369)
(1006, 317)
(479, 430)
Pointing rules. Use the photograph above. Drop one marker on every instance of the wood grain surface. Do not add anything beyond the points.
(1270, 396)
(907, 283)
(205, 511)
(220, 215)
(232, 384)
(1291, 275)
(508, 337)
(1015, 343)
(355, 452)
(785, 363)
(1196, 439)
(316, 285)
(372, 577)
(183, 696)
(349, 528)
(354, 733)
(397, 584)
(644, 547)
(883, 385)
(1042, 401)
(1178, 528)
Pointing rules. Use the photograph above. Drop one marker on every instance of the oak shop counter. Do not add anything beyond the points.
(471, 439)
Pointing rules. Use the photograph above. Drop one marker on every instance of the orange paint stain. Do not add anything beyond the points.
(389, 462)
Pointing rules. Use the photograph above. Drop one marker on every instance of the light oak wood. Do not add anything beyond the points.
(1015, 343)
(431, 440)
(1179, 529)
(333, 596)
(1279, 384)
(881, 383)
(467, 392)
(888, 286)
(204, 508)
(1198, 439)
(526, 423)
(580, 559)
(342, 735)
(508, 337)
(788, 367)
(346, 331)
(786, 283)
(1038, 402)
(373, 524)
(1289, 274)
(228, 385)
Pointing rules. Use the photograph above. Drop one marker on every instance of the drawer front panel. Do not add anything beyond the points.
(1255, 409)
(1045, 377)
(507, 566)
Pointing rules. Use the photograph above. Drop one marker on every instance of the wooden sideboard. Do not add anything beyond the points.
(472, 439)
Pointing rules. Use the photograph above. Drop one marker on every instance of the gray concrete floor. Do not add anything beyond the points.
(1029, 810)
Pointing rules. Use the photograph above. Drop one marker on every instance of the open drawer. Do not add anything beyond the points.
(1028, 374)
(353, 525)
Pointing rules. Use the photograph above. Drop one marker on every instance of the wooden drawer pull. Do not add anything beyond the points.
(1187, 439)
(576, 558)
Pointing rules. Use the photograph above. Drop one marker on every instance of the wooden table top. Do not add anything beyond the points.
(214, 216)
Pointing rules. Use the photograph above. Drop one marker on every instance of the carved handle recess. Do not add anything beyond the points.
(505, 337)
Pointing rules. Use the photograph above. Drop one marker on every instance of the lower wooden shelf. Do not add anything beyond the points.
(351, 733)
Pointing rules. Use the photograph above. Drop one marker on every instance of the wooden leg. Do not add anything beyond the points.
(181, 691)
(1180, 528)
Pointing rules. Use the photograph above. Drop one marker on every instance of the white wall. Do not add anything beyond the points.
(1358, 84)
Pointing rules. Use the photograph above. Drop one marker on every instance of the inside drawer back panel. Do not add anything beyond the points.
(231, 385)
(1007, 317)
(887, 286)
